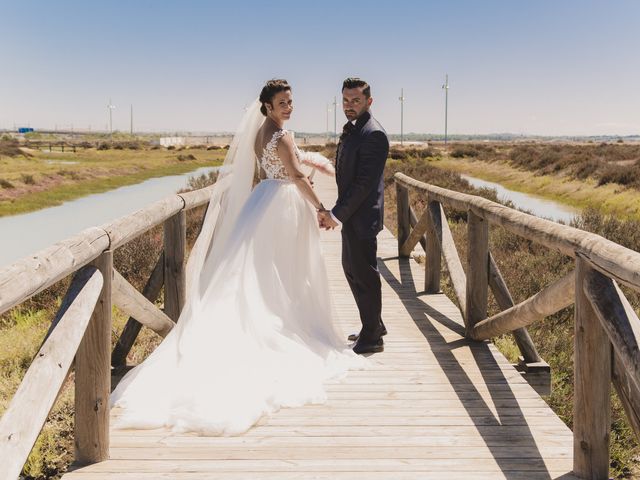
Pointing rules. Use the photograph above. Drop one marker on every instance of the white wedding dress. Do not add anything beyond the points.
(257, 332)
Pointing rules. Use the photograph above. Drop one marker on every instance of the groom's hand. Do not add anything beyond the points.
(325, 221)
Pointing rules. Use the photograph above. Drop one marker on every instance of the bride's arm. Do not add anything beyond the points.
(287, 153)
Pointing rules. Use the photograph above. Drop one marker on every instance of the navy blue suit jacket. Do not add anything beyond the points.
(360, 162)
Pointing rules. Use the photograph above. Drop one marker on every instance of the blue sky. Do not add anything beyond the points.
(562, 67)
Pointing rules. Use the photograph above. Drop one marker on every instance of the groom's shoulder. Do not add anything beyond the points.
(373, 125)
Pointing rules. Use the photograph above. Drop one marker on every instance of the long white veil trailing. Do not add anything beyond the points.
(229, 194)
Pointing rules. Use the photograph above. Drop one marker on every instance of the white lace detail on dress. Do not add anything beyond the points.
(270, 161)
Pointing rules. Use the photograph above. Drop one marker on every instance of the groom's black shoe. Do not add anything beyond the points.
(355, 336)
(369, 346)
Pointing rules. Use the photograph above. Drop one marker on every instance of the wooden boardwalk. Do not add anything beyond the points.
(433, 406)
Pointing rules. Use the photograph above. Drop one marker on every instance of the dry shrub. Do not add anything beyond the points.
(10, 147)
(622, 175)
(186, 158)
(6, 183)
(27, 179)
(607, 163)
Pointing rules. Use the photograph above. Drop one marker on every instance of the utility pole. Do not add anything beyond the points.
(335, 120)
(446, 105)
(326, 140)
(110, 108)
(131, 120)
(401, 98)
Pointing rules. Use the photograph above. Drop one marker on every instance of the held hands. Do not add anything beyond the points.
(325, 221)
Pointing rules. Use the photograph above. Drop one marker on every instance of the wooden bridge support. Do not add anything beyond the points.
(93, 375)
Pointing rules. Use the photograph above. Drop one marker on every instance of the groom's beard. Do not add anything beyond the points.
(354, 115)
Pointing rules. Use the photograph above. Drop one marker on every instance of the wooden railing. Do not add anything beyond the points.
(607, 330)
(82, 327)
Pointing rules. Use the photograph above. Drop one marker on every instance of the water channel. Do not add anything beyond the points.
(538, 206)
(24, 234)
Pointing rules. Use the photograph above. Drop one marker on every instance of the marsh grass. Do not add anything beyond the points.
(604, 163)
(527, 268)
(39, 181)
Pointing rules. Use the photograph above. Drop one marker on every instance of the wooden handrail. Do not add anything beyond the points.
(26, 277)
(615, 261)
(34, 273)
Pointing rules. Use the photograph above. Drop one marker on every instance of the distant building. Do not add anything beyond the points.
(25, 129)
(191, 140)
(172, 141)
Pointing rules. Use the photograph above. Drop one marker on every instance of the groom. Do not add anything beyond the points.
(360, 159)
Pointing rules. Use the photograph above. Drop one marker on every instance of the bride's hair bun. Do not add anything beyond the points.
(269, 91)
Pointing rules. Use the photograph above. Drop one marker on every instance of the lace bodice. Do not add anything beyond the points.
(270, 161)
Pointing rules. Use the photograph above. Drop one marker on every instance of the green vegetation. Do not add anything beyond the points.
(518, 259)
(32, 179)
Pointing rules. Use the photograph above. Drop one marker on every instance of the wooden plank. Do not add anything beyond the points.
(505, 301)
(24, 278)
(416, 234)
(128, 227)
(628, 393)
(402, 205)
(549, 300)
(337, 475)
(413, 222)
(21, 423)
(477, 270)
(433, 264)
(93, 375)
(175, 241)
(450, 255)
(134, 303)
(618, 319)
(151, 291)
(592, 383)
(325, 465)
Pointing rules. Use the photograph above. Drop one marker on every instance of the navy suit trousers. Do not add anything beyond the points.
(359, 261)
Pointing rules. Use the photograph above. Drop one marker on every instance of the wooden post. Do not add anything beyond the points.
(477, 270)
(592, 385)
(402, 202)
(433, 263)
(93, 375)
(175, 240)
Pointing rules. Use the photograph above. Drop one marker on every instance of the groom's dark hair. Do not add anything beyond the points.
(355, 82)
(269, 91)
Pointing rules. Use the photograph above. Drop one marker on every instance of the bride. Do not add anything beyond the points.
(257, 332)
